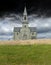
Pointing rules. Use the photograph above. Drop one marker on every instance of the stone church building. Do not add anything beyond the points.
(25, 32)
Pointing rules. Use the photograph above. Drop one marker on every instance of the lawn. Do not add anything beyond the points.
(25, 54)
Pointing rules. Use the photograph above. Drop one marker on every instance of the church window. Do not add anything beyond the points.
(17, 33)
(25, 26)
(25, 18)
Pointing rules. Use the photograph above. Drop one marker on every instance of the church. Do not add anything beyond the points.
(25, 32)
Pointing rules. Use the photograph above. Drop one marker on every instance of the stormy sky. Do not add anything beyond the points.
(39, 15)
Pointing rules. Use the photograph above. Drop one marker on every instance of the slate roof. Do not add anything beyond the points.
(17, 29)
(32, 29)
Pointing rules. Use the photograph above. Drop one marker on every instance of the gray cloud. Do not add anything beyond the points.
(44, 35)
(8, 23)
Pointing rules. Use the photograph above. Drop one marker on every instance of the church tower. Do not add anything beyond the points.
(25, 28)
(25, 32)
(25, 18)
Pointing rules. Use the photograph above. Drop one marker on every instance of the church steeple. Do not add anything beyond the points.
(25, 11)
(25, 19)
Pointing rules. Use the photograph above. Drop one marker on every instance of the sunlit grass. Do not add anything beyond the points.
(25, 55)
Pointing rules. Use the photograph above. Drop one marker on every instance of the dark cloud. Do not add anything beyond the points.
(43, 30)
(39, 15)
(8, 23)
(40, 7)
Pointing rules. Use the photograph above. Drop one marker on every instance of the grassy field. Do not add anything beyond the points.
(25, 54)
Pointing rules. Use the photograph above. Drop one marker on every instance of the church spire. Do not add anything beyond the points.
(25, 18)
(25, 11)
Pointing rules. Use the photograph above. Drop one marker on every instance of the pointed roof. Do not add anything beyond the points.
(17, 29)
(32, 29)
(25, 11)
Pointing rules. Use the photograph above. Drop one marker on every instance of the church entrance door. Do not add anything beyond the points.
(24, 36)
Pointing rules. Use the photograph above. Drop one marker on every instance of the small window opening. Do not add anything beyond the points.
(25, 18)
(25, 26)
(17, 33)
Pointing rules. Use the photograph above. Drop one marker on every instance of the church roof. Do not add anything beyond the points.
(17, 29)
(32, 29)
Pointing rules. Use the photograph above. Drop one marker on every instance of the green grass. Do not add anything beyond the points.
(25, 55)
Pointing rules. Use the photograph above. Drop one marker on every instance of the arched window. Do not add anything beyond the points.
(25, 18)
(25, 26)
(17, 33)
